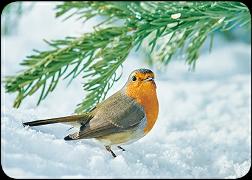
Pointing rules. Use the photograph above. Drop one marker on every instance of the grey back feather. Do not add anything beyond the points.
(116, 114)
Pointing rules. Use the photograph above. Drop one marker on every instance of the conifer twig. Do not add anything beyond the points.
(166, 27)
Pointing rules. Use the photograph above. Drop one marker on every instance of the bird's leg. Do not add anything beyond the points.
(119, 147)
(109, 150)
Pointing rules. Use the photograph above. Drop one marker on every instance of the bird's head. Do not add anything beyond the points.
(140, 81)
(140, 77)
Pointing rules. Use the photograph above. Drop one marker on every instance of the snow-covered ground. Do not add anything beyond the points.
(203, 129)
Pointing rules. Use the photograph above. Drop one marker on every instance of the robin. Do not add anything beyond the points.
(124, 117)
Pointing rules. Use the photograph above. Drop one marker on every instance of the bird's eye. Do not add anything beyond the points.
(134, 78)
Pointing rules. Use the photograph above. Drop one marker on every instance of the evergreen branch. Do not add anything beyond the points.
(104, 72)
(190, 22)
(164, 28)
(53, 64)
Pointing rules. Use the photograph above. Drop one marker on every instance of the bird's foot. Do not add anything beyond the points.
(119, 147)
(109, 150)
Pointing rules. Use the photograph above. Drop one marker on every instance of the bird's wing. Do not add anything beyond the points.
(116, 114)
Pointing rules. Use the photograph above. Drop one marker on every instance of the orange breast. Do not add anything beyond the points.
(145, 94)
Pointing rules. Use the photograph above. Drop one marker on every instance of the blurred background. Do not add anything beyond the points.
(204, 125)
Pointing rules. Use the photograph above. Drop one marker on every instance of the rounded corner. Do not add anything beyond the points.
(247, 5)
(7, 3)
(246, 174)
(5, 173)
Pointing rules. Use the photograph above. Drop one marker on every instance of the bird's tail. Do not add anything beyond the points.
(73, 118)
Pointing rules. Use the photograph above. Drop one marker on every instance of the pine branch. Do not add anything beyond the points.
(194, 22)
(104, 72)
(164, 28)
(50, 65)
(190, 22)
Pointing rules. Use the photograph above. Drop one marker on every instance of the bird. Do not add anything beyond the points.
(123, 118)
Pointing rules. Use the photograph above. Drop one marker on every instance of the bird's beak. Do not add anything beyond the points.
(149, 79)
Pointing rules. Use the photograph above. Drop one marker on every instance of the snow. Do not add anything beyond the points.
(203, 129)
